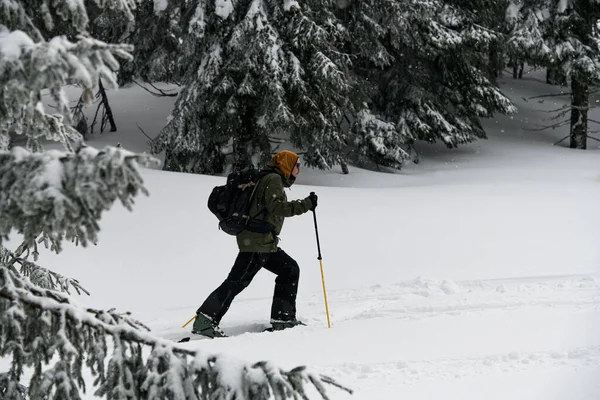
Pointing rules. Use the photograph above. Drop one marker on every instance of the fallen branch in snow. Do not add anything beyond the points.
(555, 110)
(140, 128)
(546, 95)
(553, 126)
(569, 135)
(563, 139)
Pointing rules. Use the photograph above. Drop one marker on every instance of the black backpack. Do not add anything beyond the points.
(231, 203)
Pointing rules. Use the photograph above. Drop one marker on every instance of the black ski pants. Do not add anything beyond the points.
(244, 269)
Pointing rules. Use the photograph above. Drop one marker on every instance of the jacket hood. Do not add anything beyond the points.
(285, 161)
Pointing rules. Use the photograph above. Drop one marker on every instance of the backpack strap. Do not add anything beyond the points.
(261, 175)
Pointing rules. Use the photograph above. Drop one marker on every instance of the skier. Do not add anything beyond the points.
(260, 250)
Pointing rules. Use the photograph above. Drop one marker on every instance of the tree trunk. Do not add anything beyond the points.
(107, 110)
(518, 67)
(344, 166)
(495, 64)
(243, 140)
(554, 76)
(579, 114)
(521, 68)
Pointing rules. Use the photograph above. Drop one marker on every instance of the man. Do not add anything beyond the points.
(259, 250)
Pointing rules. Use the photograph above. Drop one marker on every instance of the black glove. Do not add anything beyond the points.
(313, 199)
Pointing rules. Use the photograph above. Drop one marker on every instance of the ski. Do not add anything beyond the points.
(194, 337)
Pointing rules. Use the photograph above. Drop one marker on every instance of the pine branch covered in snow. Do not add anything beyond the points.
(155, 33)
(56, 195)
(40, 324)
(21, 82)
(31, 63)
(558, 33)
(379, 140)
(38, 275)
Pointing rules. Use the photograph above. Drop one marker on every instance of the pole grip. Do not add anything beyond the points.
(317, 233)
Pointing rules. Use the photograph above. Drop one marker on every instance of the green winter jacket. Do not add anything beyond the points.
(269, 203)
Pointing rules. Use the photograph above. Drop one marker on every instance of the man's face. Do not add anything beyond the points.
(296, 169)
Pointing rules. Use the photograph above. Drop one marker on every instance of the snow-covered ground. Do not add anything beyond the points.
(472, 275)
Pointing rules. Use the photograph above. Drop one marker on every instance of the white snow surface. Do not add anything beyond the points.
(472, 275)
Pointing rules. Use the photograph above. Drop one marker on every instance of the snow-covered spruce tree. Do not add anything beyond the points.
(489, 14)
(423, 64)
(257, 68)
(562, 35)
(154, 32)
(52, 196)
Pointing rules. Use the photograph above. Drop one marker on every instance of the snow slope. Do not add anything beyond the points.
(472, 275)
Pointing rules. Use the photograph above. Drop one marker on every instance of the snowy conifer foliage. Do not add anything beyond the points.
(369, 76)
(562, 35)
(423, 64)
(154, 31)
(52, 196)
(24, 53)
(258, 68)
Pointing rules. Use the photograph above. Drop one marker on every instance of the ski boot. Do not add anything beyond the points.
(205, 326)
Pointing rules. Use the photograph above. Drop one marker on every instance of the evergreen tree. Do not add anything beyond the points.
(562, 35)
(255, 69)
(424, 66)
(154, 32)
(52, 196)
(491, 15)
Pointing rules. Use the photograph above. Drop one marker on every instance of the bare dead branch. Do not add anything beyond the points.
(547, 95)
(562, 140)
(593, 138)
(277, 140)
(95, 117)
(566, 107)
(560, 114)
(553, 126)
(568, 136)
(140, 128)
(161, 93)
(107, 114)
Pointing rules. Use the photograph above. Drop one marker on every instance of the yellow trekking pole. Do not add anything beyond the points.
(321, 265)
(187, 323)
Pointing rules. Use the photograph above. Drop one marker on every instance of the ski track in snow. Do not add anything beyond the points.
(548, 299)
(412, 372)
(424, 298)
